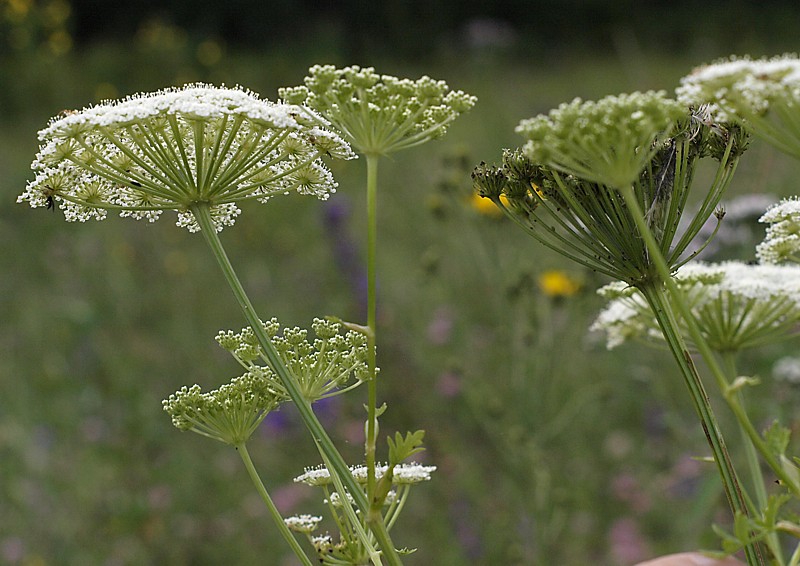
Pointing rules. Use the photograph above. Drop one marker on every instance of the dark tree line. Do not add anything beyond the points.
(412, 28)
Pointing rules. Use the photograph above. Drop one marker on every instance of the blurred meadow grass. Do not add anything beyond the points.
(550, 449)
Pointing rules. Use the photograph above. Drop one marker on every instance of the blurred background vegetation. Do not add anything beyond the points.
(550, 449)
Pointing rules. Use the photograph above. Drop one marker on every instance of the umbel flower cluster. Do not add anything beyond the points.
(608, 141)
(408, 473)
(380, 114)
(230, 413)
(347, 549)
(763, 94)
(567, 186)
(782, 240)
(323, 368)
(177, 147)
(736, 306)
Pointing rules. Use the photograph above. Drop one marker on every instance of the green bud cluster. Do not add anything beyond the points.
(230, 413)
(564, 187)
(608, 141)
(323, 366)
(380, 114)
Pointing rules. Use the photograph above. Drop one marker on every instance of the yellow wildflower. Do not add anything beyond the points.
(557, 283)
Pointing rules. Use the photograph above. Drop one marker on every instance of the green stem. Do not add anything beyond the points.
(372, 401)
(353, 522)
(276, 515)
(374, 516)
(654, 292)
(751, 455)
(795, 559)
(203, 216)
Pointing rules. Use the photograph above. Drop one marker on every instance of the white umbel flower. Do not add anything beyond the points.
(764, 94)
(731, 83)
(177, 147)
(303, 523)
(403, 474)
(782, 241)
(736, 305)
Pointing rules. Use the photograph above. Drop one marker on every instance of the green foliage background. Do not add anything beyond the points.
(550, 449)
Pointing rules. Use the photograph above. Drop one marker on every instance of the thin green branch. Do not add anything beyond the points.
(751, 456)
(273, 511)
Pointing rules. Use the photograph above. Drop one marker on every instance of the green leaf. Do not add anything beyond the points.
(777, 438)
(400, 448)
(774, 504)
(730, 544)
(403, 447)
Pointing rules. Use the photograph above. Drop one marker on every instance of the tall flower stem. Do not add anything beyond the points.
(203, 216)
(655, 293)
(372, 240)
(370, 441)
(273, 511)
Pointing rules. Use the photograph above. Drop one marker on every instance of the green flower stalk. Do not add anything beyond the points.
(782, 240)
(378, 115)
(735, 306)
(606, 184)
(763, 94)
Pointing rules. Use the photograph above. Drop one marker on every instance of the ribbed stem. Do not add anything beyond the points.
(374, 516)
(654, 291)
(372, 396)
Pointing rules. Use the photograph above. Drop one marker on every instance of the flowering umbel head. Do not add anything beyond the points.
(402, 474)
(231, 413)
(608, 141)
(328, 365)
(736, 306)
(175, 148)
(782, 241)
(350, 549)
(763, 94)
(380, 114)
(567, 190)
